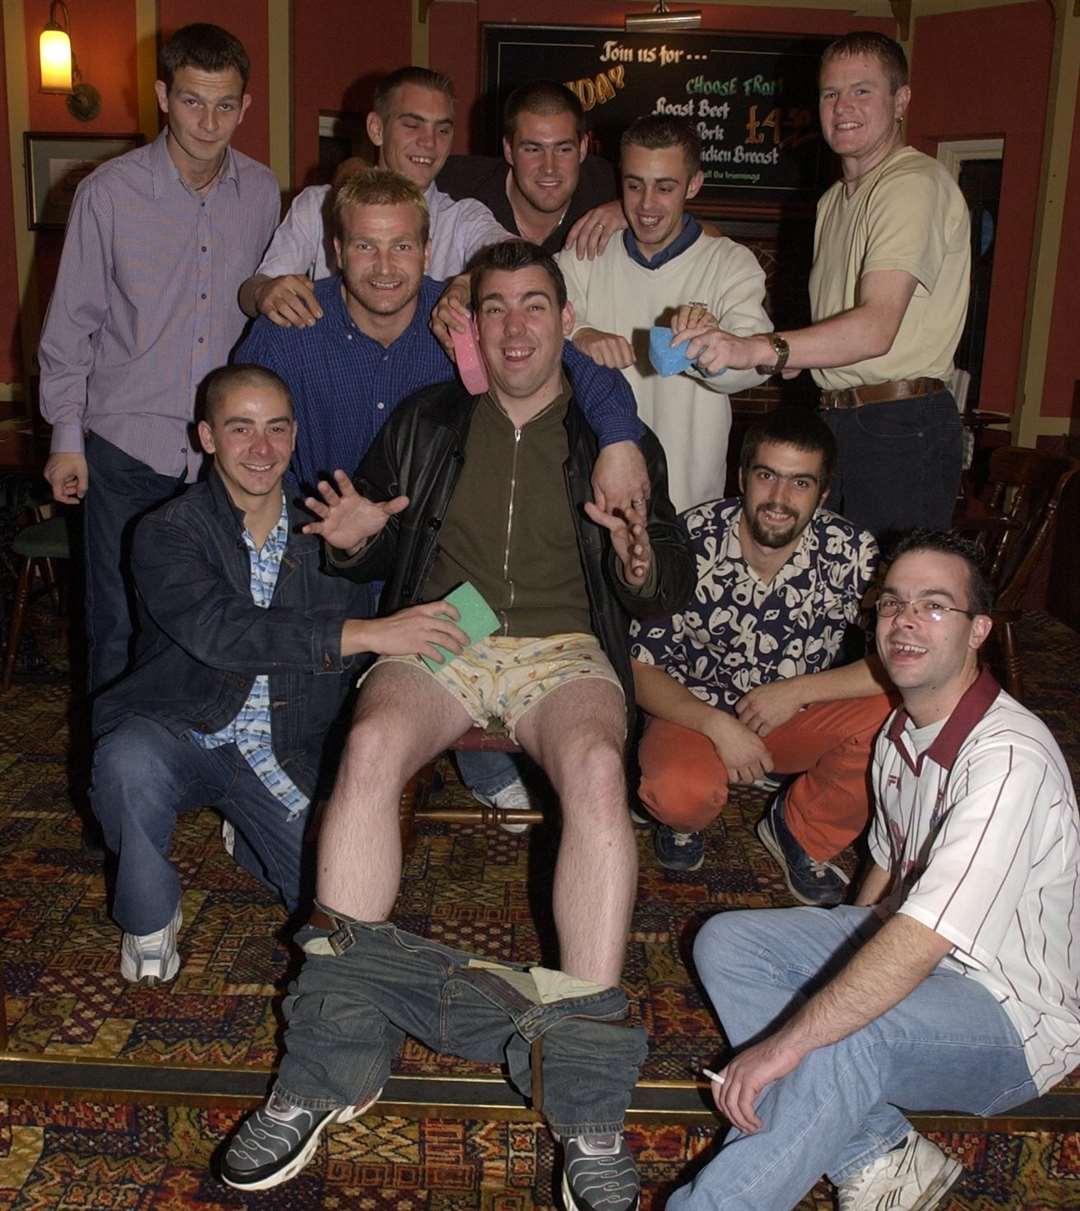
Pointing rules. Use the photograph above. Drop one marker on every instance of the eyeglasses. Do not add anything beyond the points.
(921, 607)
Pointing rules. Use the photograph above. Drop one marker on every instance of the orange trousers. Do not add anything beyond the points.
(685, 784)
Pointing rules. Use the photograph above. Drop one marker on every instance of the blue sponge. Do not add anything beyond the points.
(665, 360)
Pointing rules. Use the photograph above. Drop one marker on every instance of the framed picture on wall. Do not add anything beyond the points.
(56, 163)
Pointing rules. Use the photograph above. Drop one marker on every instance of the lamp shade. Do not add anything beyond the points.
(54, 48)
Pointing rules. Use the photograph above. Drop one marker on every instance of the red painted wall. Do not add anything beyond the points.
(1063, 355)
(999, 91)
(340, 49)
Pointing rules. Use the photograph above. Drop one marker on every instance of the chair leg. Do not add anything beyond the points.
(1014, 681)
(18, 615)
(52, 582)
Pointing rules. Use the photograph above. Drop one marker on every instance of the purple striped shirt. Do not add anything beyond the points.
(145, 300)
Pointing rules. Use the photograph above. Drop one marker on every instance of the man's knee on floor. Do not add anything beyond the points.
(681, 795)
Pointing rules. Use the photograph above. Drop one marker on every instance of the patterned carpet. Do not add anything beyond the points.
(470, 887)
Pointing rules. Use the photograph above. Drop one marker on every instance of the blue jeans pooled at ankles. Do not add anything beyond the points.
(948, 1045)
(143, 777)
(898, 464)
(347, 1014)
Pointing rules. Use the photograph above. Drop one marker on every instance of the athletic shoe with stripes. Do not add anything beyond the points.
(599, 1174)
(274, 1143)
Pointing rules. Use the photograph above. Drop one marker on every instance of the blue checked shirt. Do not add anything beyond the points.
(250, 730)
(345, 384)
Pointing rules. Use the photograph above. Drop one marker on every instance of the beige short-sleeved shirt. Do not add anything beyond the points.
(907, 213)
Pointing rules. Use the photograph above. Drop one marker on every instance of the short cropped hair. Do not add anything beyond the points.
(657, 131)
(791, 425)
(888, 52)
(378, 187)
(545, 97)
(423, 77)
(510, 257)
(947, 542)
(220, 383)
(207, 47)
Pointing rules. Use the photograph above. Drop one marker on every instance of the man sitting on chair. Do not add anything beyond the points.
(491, 489)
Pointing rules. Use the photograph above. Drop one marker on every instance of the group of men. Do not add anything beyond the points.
(354, 482)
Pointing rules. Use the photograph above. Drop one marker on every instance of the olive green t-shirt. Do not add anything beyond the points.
(509, 527)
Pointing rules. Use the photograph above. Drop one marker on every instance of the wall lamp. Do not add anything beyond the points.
(59, 69)
(663, 19)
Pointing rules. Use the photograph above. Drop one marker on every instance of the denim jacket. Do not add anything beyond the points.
(204, 639)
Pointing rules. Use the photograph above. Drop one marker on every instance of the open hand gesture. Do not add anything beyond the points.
(347, 519)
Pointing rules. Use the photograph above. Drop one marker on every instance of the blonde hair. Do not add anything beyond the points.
(378, 187)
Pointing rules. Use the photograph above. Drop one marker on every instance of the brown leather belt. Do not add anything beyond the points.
(321, 921)
(879, 393)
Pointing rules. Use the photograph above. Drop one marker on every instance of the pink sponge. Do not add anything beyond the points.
(469, 362)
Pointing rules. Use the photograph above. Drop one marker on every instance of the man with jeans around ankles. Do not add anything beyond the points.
(495, 492)
(952, 985)
(741, 681)
(373, 348)
(888, 296)
(244, 670)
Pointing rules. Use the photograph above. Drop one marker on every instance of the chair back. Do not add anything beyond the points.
(1024, 491)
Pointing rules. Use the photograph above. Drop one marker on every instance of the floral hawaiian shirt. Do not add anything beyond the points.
(739, 632)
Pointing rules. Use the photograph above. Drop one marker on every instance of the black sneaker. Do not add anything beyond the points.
(599, 1174)
(274, 1143)
(820, 884)
(678, 851)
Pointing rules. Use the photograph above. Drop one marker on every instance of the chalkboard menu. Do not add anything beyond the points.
(752, 98)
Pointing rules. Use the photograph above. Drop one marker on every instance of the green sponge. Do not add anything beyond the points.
(475, 618)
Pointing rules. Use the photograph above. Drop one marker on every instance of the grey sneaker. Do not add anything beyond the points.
(512, 798)
(151, 958)
(599, 1174)
(915, 1177)
(275, 1142)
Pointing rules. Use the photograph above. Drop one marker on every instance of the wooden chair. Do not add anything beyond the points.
(1013, 526)
(415, 798)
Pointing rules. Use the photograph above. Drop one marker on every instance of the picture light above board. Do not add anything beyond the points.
(751, 97)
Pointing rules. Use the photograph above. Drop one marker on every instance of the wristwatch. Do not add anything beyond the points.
(782, 351)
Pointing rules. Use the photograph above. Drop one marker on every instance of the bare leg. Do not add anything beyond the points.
(576, 734)
(403, 719)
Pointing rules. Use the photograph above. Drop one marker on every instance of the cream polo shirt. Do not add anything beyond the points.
(977, 816)
(907, 213)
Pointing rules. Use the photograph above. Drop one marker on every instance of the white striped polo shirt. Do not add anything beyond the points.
(978, 814)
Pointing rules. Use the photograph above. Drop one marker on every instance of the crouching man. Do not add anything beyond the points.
(953, 984)
(242, 671)
(492, 489)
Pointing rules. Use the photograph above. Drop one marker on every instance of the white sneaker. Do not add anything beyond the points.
(512, 798)
(915, 1177)
(151, 958)
(228, 837)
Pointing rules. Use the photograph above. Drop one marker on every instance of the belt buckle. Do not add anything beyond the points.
(341, 940)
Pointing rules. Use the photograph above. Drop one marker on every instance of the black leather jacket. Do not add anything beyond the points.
(419, 453)
(206, 639)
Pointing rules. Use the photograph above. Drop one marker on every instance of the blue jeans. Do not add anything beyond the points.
(143, 777)
(487, 773)
(898, 464)
(348, 1012)
(121, 489)
(947, 1046)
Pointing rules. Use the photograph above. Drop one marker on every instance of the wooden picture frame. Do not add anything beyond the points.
(56, 162)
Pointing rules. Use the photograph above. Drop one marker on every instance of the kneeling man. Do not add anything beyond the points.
(745, 680)
(492, 489)
(243, 669)
(953, 985)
